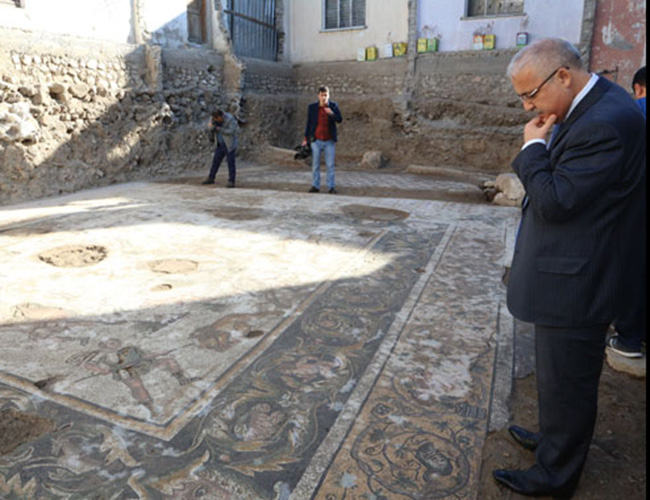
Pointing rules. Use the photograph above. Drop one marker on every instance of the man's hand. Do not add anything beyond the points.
(539, 127)
(304, 142)
(328, 110)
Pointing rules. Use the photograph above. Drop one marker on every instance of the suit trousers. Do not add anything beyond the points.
(631, 321)
(569, 362)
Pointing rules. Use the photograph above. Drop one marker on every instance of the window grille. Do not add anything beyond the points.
(345, 14)
(476, 8)
(252, 28)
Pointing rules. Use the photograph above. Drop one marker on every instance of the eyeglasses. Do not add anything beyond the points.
(529, 96)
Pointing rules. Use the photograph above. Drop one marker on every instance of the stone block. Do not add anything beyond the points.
(510, 186)
(502, 200)
(634, 367)
(373, 160)
(79, 90)
(17, 124)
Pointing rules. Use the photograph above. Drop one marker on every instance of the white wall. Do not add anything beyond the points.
(99, 19)
(165, 21)
(386, 22)
(541, 18)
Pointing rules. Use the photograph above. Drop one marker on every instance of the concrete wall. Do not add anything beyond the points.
(541, 18)
(386, 22)
(619, 39)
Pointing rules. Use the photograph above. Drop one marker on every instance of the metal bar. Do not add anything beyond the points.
(249, 18)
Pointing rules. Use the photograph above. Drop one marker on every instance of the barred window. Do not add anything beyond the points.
(345, 14)
(476, 8)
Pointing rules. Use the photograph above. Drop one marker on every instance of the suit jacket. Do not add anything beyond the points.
(312, 120)
(584, 219)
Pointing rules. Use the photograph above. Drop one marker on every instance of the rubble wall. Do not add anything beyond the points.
(452, 110)
(269, 105)
(76, 114)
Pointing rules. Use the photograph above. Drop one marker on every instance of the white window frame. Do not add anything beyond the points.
(485, 14)
(339, 27)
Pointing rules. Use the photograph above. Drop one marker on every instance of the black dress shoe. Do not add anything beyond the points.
(529, 440)
(332, 191)
(314, 190)
(208, 181)
(514, 480)
(231, 184)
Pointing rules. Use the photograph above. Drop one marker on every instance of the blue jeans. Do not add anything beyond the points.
(329, 148)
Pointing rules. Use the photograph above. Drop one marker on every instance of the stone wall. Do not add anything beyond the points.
(453, 110)
(74, 114)
(268, 107)
(464, 111)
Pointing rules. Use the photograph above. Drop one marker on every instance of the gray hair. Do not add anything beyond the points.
(546, 55)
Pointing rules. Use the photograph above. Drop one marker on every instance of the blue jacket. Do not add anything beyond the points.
(312, 120)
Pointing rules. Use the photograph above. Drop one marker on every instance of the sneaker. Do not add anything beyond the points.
(314, 190)
(231, 184)
(208, 181)
(615, 344)
(332, 191)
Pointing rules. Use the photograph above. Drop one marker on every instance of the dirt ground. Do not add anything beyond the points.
(616, 466)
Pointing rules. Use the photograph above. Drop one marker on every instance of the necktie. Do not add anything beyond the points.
(557, 128)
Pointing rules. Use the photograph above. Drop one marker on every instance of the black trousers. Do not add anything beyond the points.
(219, 154)
(569, 362)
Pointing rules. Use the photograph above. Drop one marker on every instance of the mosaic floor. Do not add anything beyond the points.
(248, 344)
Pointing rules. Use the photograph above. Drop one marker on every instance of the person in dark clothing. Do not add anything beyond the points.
(638, 86)
(630, 327)
(223, 131)
(575, 249)
(322, 117)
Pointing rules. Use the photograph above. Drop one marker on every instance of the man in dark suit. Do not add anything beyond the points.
(322, 117)
(577, 241)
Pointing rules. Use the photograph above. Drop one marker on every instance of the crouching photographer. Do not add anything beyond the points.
(223, 131)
